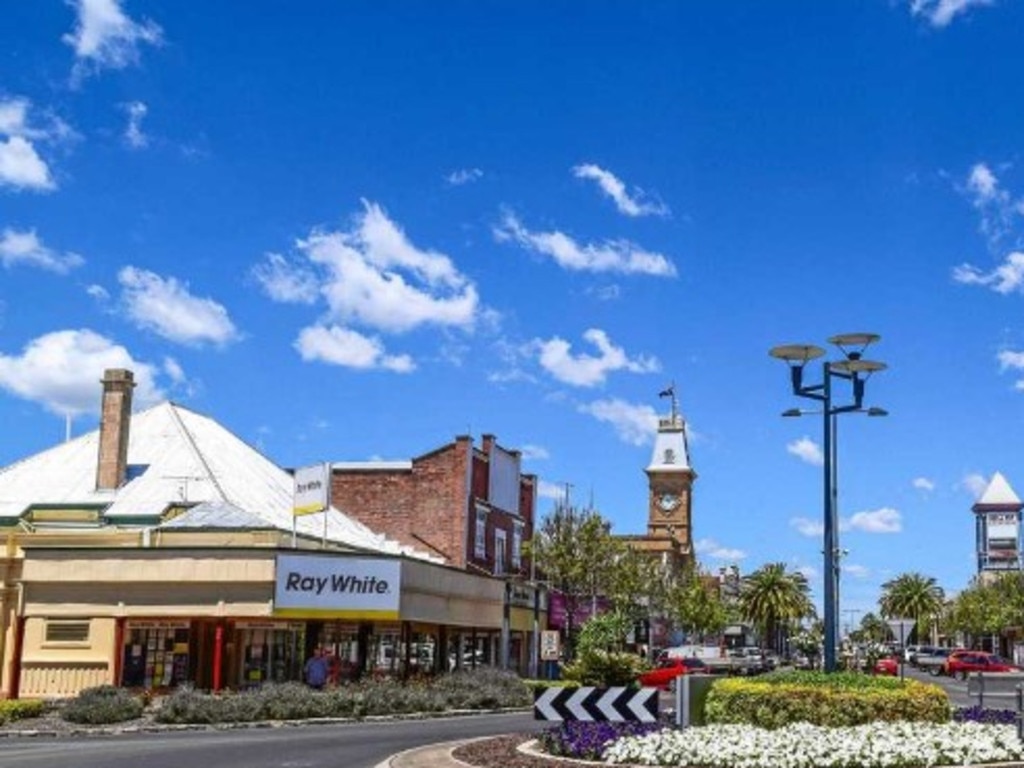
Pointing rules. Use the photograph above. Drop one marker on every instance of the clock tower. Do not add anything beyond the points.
(670, 481)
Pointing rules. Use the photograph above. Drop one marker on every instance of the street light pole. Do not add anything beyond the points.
(856, 370)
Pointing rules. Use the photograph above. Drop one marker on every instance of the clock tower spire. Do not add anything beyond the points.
(670, 479)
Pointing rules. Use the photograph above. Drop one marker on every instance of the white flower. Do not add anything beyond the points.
(801, 745)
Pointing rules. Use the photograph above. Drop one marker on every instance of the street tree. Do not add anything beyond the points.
(694, 603)
(773, 598)
(574, 553)
(913, 596)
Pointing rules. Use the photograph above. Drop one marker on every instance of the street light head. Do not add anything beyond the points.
(856, 365)
(856, 342)
(790, 413)
(796, 354)
(876, 411)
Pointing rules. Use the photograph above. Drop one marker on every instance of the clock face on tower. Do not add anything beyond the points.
(667, 502)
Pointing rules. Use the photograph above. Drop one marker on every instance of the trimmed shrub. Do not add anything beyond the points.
(20, 709)
(482, 688)
(102, 705)
(479, 689)
(605, 668)
(837, 699)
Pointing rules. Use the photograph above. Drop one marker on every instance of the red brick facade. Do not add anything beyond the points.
(433, 504)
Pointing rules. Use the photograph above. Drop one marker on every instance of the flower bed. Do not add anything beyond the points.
(876, 745)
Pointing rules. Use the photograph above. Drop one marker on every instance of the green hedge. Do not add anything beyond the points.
(18, 709)
(836, 699)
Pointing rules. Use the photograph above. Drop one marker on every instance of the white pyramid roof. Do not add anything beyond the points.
(177, 456)
(998, 493)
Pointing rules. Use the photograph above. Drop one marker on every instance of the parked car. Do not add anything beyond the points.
(887, 665)
(934, 662)
(669, 668)
(962, 663)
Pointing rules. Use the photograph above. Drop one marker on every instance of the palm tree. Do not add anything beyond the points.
(772, 597)
(914, 596)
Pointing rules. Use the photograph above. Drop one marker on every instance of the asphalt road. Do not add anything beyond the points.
(348, 745)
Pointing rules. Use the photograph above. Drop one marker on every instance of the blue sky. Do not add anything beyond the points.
(353, 231)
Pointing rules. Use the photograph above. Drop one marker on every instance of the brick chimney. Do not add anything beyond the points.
(115, 418)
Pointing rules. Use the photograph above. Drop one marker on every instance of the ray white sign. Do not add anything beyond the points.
(312, 489)
(337, 586)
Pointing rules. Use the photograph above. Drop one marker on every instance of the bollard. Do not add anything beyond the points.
(981, 690)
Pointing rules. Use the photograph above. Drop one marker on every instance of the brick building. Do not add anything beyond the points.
(471, 506)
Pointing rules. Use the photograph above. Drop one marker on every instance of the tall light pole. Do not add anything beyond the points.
(854, 368)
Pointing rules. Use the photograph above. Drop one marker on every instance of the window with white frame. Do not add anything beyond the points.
(500, 547)
(480, 540)
(517, 546)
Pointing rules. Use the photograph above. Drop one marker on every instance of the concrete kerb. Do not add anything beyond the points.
(74, 730)
(430, 756)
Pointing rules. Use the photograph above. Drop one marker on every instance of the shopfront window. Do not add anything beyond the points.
(156, 654)
(271, 651)
(340, 641)
(384, 655)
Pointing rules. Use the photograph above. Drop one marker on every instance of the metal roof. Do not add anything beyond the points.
(998, 493)
(178, 457)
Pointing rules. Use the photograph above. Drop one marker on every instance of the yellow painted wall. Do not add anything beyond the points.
(63, 669)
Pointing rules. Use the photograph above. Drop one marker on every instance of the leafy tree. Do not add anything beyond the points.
(695, 603)
(772, 598)
(874, 628)
(913, 596)
(605, 632)
(575, 552)
(985, 608)
(637, 584)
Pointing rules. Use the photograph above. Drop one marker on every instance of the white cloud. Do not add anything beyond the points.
(98, 292)
(105, 37)
(610, 256)
(1012, 360)
(133, 134)
(165, 306)
(534, 452)
(712, 549)
(1006, 278)
(995, 205)
(348, 348)
(21, 165)
(857, 571)
(463, 176)
(923, 484)
(975, 484)
(286, 282)
(809, 571)
(807, 450)
(174, 370)
(634, 424)
(884, 520)
(547, 490)
(374, 276)
(807, 527)
(555, 356)
(60, 371)
(610, 184)
(940, 13)
(609, 292)
(26, 248)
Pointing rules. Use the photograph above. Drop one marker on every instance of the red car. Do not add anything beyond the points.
(962, 663)
(887, 665)
(669, 668)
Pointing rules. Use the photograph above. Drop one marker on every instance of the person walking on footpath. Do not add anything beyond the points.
(316, 670)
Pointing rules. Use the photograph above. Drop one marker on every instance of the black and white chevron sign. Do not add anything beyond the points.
(596, 704)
